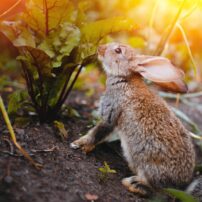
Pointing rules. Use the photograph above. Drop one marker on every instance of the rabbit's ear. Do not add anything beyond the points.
(161, 71)
(177, 86)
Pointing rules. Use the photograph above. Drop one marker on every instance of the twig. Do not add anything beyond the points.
(45, 150)
(71, 85)
(13, 137)
(189, 12)
(189, 50)
(167, 34)
(29, 83)
(185, 118)
(177, 100)
(69, 72)
(11, 153)
(183, 99)
(192, 104)
(10, 145)
(86, 61)
(174, 96)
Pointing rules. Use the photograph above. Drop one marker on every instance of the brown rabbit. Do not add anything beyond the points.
(156, 145)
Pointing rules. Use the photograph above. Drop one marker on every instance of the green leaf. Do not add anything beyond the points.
(16, 101)
(106, 169)
(61, 42)
(81, 15)
(137, 42)
(36, 59)
(94, 31)
(182, 196)
(18, 33)
(43, 16)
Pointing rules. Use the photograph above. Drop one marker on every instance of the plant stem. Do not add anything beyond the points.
(71, 85)
(86, 61)
(69, 74)
(173, 96)
(46, 17)
(190, 11)
(196, 74)
(29, 82)
(169, 31)
(13, 137)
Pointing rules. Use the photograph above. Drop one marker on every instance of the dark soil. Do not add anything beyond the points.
(67, 175)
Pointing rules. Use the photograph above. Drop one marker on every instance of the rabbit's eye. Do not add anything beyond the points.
(118, 50)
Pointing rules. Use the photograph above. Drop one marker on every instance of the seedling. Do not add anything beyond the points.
(106, 171)
(55, 41)
(61, 129)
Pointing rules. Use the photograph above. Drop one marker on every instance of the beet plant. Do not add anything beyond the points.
(55, 40)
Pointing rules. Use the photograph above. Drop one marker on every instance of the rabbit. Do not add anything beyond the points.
(155, 144)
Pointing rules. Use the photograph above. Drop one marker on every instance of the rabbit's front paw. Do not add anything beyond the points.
(137, 186)
(83, 143)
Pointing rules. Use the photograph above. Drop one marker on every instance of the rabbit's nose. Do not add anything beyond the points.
(101, 50)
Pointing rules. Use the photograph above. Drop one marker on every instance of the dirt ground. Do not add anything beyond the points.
(67, 175)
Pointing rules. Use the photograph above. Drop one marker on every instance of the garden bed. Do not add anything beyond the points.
(67, 175)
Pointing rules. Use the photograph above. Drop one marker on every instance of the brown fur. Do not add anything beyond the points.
(156, 145)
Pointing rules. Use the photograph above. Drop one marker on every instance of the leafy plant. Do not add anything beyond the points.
(55, 41)
(106, 170)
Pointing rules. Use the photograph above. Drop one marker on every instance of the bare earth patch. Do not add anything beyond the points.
(68, 175)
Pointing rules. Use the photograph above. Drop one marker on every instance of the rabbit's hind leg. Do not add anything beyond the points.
(137, 185)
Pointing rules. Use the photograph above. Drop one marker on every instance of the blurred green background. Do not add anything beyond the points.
(152, 17)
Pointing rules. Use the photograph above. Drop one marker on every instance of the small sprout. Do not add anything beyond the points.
(61, 128)
(105, 171)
